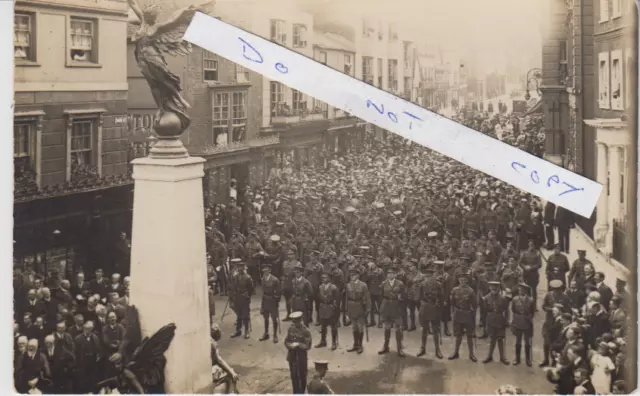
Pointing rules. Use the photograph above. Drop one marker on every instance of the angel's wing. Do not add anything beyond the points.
(133, 334)
(169, 40)
(148, 360)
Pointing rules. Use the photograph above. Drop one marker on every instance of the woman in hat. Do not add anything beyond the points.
(602, 367)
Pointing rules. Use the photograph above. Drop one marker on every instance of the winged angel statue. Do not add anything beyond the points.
(139, 362)
(153, 39)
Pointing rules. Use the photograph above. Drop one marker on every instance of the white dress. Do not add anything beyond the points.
(602, 366)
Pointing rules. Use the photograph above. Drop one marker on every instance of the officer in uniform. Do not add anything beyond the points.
(523, 309)
(414, 280)
(271, 294)
(301, 293)
(328, 314)
(375, 277)
(464, 305)
(553, 297)
(446, 281)
(432, 298)
(358, 305)
(317, 385)
(240, 292)
(497, 308)
(393, 295)
(287, 279)
(313, 273)
(298, 342)
(338, 279)
(531, 262)
(557, 266)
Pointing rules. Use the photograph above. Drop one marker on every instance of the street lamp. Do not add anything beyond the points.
(537, 75)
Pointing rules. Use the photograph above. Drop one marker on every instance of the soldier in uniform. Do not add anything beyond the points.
(446, 280)
(338, 279)
(393, 295)
(240, 292)
(287, 279)
(358, 305)
(317, 385)
(497, 308)
(432, 298)
(464, 305)
(328, 313)
(523, 309)
(271, 293)
(531, 262)
(557, 265)
(313, 273)
(375, 277)
(414, 280)
(298, 342)
(302, 293)
(553, 297)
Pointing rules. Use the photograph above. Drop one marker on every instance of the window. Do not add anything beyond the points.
(380, 31)
(277, 98)
(84, 145)
(367, 69)
(616, 81)
(617, 8)
(23, 29)
(83, 42)
(21, 139)
(603, 80)
(299, 35)
(242, 74)
(239, 116)
(393, 35)
(347, 64)
(367, 29)
(220, 119)
(407, 56)
(209, 66)
(604, 10)
(407, 87)
(277, 31)
(392, 65)
(298, 100)
(380, 73)
(322, 57)
(630, 72)
(81, 142)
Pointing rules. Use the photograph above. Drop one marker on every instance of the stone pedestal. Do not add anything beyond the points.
(168, 266)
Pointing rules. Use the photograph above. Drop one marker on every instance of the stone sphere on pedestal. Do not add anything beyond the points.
(169, 125)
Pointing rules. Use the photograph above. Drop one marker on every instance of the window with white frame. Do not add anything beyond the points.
(393, 34)
(392, 65)
(406, 55)
(299, 35)
(23, 36)
(298, 100)
(322, 57)
(617, 87)
(82, 142)
(348, 65)
(603, 80)
(239, 116)
(242, 74)
(22, 147)
(629, 72)
(604, 10)
(209, 66)
(367, 28)
(220, 118)
(367, 69)
(277, 98)
(83, 40)
(380, 73)
(617, 8)
(278, 31)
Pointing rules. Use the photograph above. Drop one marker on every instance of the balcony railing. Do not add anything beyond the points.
(622, 243)
(285, 115)
(72, 187)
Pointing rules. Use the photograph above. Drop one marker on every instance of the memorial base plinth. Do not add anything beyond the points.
(168, 266)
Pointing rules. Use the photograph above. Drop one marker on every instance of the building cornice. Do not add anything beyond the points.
(607, 123)
(118, 7)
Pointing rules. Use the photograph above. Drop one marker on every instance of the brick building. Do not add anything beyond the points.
(70, 148)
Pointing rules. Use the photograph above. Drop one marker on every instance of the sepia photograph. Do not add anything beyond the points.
(185, 223)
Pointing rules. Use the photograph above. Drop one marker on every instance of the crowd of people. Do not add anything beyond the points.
(389, 235)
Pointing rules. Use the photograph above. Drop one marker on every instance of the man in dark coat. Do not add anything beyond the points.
(557, 266)
(432, 300)
(298, 342)
(549, 223)
(271, 294)
(60, 362)
(328, 314)
(240, 292)
(33, 368)
(317, 385)
(605, 291)
(553, 297)
(393, 295)
(565, 220)
(88, 358)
